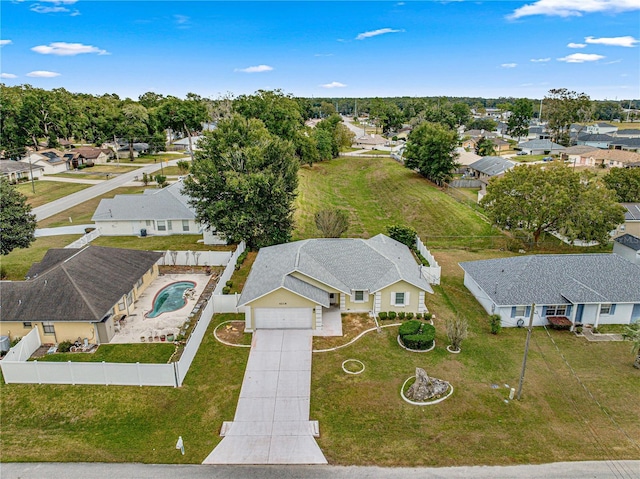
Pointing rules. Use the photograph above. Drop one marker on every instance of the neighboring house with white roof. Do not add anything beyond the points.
(585, 288)
(160, 212)
(540, 147)
(370, 141)
(628, 246)
(184, 142)
(291, 284)
(602, 128)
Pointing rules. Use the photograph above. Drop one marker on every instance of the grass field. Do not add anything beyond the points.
(378, 192)
(98, 172)
(17, 263)
(118, 353)
(159, 243)
(47, 191)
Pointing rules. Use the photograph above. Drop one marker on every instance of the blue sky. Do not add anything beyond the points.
(322, 49)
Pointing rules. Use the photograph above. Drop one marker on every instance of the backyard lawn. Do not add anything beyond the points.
(47, 191)
(16, 264)
(160, 243)
(118, 353)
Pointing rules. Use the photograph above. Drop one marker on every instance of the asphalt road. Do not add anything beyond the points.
(73, 199)
(561, 470)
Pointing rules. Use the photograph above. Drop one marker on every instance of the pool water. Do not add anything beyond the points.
(170, 298)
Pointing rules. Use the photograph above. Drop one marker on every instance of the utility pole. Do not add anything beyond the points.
(526, 350)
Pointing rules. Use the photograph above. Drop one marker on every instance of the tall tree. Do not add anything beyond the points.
(552, 199)
(485, 147)
(486, 124)
(462, 113)
(431, 149)
(607, 110)
(625, 182)
(561, 108)
(280, 113)
(243, 182)
(17, 223)
(518, 122)
(186, 116)
(133, 124)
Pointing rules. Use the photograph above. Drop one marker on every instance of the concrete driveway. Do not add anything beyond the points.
(271, 424)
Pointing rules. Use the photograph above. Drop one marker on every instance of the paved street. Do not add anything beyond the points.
(71, 200)
(561, 470)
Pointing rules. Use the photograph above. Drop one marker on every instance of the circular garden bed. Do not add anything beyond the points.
(418, 336)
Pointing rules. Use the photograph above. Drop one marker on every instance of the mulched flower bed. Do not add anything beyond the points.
(559, 322)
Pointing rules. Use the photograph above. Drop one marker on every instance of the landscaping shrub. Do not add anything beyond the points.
(495, 323)
(403, 234)
(418, 315)
(456, 332)
(64, 346)
(417, 341)
(15, 341)
(226, 290)
(382, 315)
(392, 315)
(409, 328)
(401, 315)
(428, 316)
(514, 245)
(409, 315)
(229, 283)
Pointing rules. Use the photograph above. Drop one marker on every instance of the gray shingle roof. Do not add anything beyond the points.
(557, 279)
(343, 263)
(628, 142)
(75, 285)
(10, 166)
(579, 150)
(595, 137)
(155, 204)
(492, 165)
(541, 145)
(629, 241)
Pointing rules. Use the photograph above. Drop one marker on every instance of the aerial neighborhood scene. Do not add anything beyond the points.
(376, 234)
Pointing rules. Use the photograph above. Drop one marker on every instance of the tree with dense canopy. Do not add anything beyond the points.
(486, 124)
(280, 113)
(186, 116)
(625, 182)
(17, 223)
(332, 223)
(553, 198)
(485, 147)
(431, 149)
(518, 122)
(561, 108)
(243, 182)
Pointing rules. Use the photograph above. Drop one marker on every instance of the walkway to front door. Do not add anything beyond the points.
(271, 424)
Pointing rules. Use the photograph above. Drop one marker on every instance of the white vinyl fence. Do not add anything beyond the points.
(86, 239)
(433, 271)
(195, 258)
(16, 368)
(227, 303)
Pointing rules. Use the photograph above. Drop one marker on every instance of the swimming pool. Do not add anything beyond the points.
(170, 298)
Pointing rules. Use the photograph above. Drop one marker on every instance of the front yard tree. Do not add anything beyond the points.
(280, 113)
(561, 108)
(332, 223)
(186, 116)
(554, 199)
(243, 182)
(485, 147)
(17, 223)
(625, 182)
(133, 124)
(518, 122)
(431, 149)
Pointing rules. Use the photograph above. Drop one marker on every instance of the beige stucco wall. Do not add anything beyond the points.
(63, 331)
(400, 287)
(282, 298)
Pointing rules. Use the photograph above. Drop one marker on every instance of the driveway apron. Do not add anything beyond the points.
(271, 424)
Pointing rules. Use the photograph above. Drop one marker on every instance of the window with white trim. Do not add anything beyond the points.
(399, 299)
(557, 310)
(26, 324)
(521, 310)
(48, 328)
(121, 305)
(162, 225)
(605, 309)
(358, 296)
(185, 225)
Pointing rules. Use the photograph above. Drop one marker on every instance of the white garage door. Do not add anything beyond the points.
(283, 318)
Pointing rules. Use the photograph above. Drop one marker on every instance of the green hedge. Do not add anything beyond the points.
(408, 328)
(382, 315)
(417, 335)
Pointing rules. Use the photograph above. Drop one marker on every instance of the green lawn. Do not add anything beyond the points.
(125, 424)
(240, 275)
(378, 192)
(97, 172)
(119, 353)
(149, 159)
(17, 263)
(159, 243)
(47, 191)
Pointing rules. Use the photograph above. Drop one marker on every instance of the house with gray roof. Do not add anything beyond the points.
(290, 285)
(15, 171)
(597, 140)
(540, 147)
(629, 144)
(585, 288)
(628, 246)
(76, 293)
(489, 167)
(158, 211)
(602, 128)
(51, 160)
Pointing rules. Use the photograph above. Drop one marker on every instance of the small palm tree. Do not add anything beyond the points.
(633, 333)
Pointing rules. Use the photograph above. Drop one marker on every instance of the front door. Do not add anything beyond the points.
(635, 314)
(579, 313)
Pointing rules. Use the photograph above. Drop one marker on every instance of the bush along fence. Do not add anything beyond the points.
(227, 303)
(16, 368)
(432, 272)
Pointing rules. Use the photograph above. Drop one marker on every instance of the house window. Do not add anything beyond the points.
(358, 297)
(169, 226)
(48, 328)
(557, 310)
(26, 324)
(139, 283)
(148, 223)
(162, 225)
(399, 299)
(185, 225)
(605, 309)
(121, 305)
(521, 310)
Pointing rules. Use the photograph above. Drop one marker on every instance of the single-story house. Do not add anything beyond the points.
(597, 140)
(76, 293)
(500, 145)
(538, 132)
(629, 144)
(479, 133)
(613, 158)
(92, 155)
(628, 133)
(52, 161)
(184, 142)
(628, 246)
(585, 288)
(602, 129)
(489, 167)
(15, 171)
(579, 154)
(540, 147)
(370, 141)
(631, 223)
(466, 158)
(158, 211)
(290, 285)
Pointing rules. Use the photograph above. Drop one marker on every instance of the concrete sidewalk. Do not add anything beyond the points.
(63, 230)
(271, 424)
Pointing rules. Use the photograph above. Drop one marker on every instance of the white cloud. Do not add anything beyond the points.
(333, 84)
(581, 58)
(627, 41)
(5, 42)
(68, 49)
(254, 69)
(576, 45)
(574, 8)
(182, 21)
(375, 33)
(323, 55)
(42, 9)
(540, 60)
(57, 7)
(509, 65)
(42, 74)
(8, 75)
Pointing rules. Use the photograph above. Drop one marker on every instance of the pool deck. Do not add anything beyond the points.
(136, 325)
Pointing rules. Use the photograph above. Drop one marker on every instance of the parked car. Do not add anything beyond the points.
(547, 158)
(521, 153)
